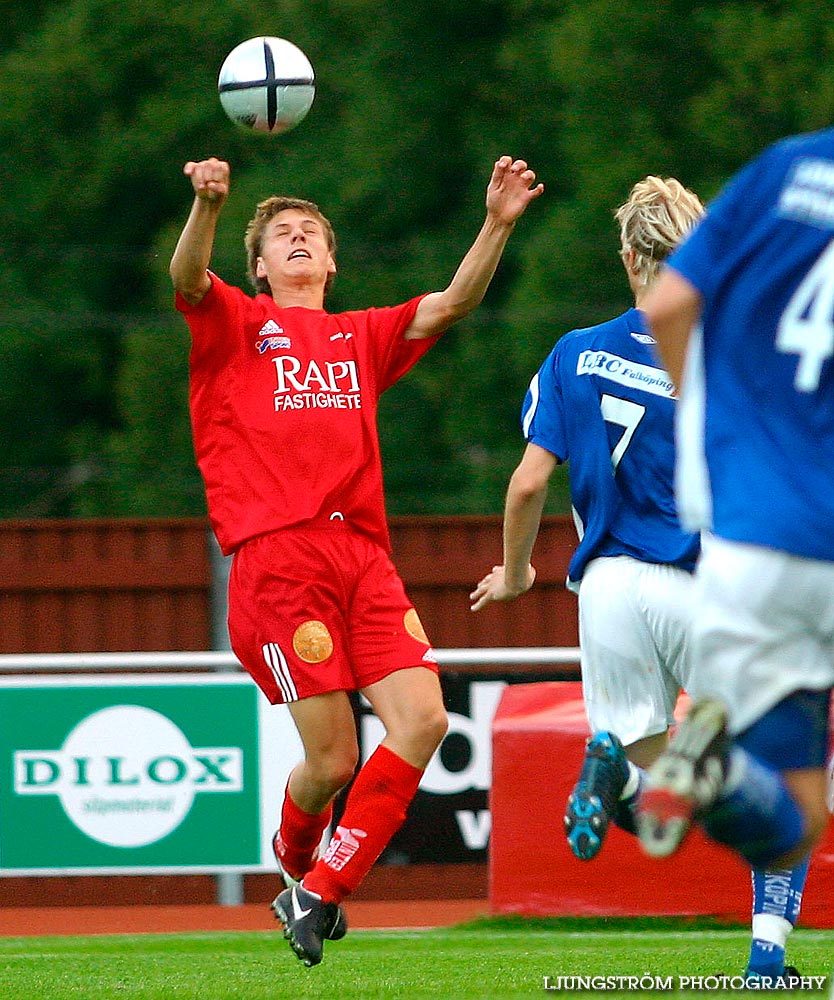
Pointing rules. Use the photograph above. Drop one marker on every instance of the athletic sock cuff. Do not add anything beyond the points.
(395, 773)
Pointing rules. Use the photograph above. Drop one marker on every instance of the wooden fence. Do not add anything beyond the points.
(120, 585)
(104, 586)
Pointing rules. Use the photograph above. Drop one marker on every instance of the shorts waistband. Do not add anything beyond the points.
(335, 519)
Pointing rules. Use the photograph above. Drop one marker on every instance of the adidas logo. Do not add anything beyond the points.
(270, 329)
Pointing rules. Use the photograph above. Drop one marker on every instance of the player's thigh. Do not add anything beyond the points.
(666, 596)
(626, 684)
(829, 785)
(763, 628)
(809, 790)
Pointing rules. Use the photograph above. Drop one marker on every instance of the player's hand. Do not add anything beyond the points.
(209, 178)
(494, 587)
(511, 188)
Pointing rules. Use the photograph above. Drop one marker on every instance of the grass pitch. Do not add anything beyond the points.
(486, 960)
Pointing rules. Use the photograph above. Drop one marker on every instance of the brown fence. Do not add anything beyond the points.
(441, 559)
(104, 586)
(110, 586)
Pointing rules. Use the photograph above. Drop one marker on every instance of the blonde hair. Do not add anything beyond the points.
(268, 209)
(659, 212)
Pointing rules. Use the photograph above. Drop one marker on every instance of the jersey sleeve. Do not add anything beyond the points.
(393, 354)
(214, 320)
(542, 414)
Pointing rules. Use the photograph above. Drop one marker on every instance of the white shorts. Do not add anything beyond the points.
(634, 619)
(763, 627)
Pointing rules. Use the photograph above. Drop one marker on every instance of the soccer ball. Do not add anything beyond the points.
(266, 85)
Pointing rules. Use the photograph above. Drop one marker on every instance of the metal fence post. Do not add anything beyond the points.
(229, 885)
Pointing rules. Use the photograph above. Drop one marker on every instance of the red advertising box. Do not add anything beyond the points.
(539, 733)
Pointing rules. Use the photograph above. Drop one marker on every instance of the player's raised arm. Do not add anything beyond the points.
(189, 264)
(511, 188)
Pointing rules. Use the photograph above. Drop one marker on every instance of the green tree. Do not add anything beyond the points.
(104, 102)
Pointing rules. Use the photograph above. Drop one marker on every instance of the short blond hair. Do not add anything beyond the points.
(659, 212)
(268, 209)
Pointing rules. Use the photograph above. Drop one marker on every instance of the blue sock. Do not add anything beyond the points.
(767, 960)
(756, 817)
(777, 899)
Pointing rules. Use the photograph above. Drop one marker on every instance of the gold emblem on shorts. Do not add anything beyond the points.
(414, 626)
(312, 642)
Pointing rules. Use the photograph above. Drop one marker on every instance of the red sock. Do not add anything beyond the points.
(298, 836)
(375, 809)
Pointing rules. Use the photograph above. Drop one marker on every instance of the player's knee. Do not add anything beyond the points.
(810, 837)
(816, 819)
(808, 793)
(335, 769)
(430, 726)
(343, 769)
(420, 730)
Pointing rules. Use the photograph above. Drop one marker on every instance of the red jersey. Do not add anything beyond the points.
(283, 409)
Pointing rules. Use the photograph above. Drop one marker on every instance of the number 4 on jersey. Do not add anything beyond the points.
(807, 324)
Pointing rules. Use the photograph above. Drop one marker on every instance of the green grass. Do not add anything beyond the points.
(486, 960)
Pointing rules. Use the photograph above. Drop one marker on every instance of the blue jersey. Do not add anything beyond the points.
(763, 261)
(602, 402)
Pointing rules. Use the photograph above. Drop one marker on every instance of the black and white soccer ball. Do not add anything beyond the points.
(266, 84)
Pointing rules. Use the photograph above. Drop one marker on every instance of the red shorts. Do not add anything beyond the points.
(321, 608)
